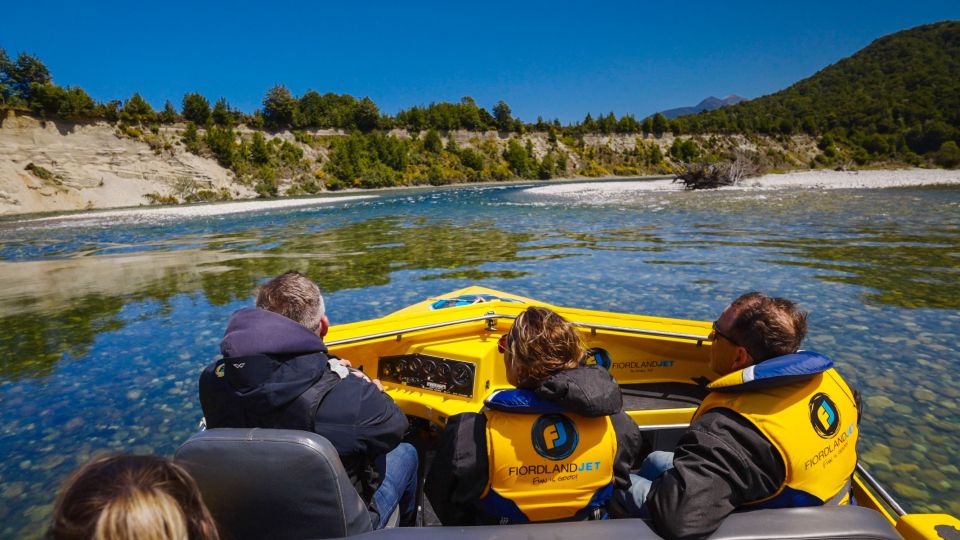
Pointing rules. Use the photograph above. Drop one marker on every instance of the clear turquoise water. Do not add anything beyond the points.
(106, 324)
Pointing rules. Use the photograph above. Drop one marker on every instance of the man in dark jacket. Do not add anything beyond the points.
(758, 438)
(559, 444)
(276, 373)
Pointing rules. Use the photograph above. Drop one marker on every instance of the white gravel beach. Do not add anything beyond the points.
(795, 180)
(201, 210)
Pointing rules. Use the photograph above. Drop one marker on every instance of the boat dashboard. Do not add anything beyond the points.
(440, 363)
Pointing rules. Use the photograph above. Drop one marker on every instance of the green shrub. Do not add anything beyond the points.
(156, 198)
(40, 172)
(948, 156)
(267, 184)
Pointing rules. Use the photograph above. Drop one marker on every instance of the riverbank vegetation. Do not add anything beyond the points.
(895, 102)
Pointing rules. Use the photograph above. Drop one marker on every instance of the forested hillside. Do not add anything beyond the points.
(895, 102)
(898, 98)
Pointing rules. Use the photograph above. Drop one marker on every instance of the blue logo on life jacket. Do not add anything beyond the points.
(599, 357)
(554, 436)
(824, 415)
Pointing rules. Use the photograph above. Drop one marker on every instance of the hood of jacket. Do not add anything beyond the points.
(269, 360)
(588, 391)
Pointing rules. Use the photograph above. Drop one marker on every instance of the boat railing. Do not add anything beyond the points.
(491, 317)
(878, 490)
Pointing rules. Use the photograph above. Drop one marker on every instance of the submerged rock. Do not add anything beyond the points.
(879, 403)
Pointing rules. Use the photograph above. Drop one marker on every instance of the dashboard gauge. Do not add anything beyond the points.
(429, 367)
(461, 375)
(443, 370)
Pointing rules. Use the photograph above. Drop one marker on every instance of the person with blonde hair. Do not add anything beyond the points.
(552, 449)
(116, 497)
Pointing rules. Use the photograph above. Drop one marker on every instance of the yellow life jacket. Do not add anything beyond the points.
(545, 464)
(807, 411)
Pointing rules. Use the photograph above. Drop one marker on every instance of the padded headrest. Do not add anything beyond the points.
(273, 483)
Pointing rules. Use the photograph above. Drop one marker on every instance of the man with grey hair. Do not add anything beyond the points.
(276, 372)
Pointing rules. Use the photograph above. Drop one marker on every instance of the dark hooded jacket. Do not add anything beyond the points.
(275, 374)
(460, 469)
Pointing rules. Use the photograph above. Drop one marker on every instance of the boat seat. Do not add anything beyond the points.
(833, 522)
(662, 395)
(273, 483)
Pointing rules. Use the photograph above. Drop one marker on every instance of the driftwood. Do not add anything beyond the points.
(714, 175)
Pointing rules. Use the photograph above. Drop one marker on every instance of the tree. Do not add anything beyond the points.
(6, 76)
(366, 116)
(432, 142)
(196, 109)
(279, 107)
(222, 116)
(222, 142)
(647, 125)
(589, 124)
(169, 114)
(659, 125)
(503, 116)
(29, 73)
(471, 159)
(136, 109)
(313, 110)
(469, 114)
(259, 151)
(191, 139)
(76, 104)
(518, 159)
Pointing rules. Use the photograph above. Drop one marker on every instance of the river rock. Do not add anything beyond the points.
(911, 492)
(879, 454)
(937, 457)
(895, 430)
(923, 394)
(13, 489)
(878, 403)
(900, 444)
(932, 476)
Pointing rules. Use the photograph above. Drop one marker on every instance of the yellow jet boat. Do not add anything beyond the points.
(439, 358)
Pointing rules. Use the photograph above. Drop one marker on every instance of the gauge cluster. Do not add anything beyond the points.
(428, 372)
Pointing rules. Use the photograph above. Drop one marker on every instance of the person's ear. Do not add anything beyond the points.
(324, 326)
(743, 359)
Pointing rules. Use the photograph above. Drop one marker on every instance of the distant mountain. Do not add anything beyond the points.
(897, 97)
(709, 104)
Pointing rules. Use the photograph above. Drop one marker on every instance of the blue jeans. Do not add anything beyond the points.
(399, 486)
(653, 466)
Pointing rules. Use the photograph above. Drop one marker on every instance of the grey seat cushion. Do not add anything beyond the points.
(274, 483)
(836, 522)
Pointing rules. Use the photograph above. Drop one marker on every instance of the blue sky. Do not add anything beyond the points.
(556, 59)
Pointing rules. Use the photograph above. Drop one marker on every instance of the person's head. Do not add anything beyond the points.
(754, 328)
(122, 496)
(539, 344)
(296, 297)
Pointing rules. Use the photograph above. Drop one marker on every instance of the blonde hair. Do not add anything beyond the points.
(539, 344)
(121, 497)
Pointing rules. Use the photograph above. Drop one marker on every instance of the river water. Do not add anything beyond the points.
(105, 323)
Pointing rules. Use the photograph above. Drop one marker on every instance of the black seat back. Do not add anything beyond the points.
(273, 483)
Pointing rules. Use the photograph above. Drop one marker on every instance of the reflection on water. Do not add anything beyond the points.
(106, 326)
(906, 271)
